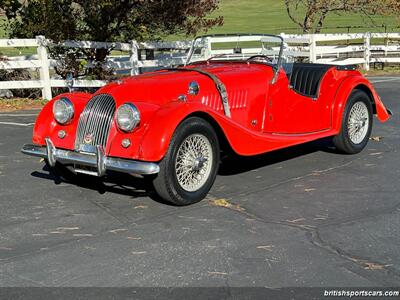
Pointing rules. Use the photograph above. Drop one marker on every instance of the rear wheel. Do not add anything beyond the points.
(356, 124)
(190, 166)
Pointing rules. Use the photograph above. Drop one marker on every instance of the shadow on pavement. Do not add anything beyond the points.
(135, 187)
(234, 164)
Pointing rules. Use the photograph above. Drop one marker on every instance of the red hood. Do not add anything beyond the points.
(166, 86)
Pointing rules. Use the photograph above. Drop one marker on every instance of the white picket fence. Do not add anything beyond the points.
(138, 57)
(341, 49)
(347, 49)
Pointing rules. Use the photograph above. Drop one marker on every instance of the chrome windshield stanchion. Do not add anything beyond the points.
(51, 152)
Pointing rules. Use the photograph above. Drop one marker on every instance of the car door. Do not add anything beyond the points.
(291, 112)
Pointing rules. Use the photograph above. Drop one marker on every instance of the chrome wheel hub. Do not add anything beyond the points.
(193, 162)
(358, 122)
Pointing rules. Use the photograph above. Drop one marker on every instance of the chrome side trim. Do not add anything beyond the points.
(99, 160)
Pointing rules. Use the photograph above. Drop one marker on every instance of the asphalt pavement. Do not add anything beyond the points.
(305, 216)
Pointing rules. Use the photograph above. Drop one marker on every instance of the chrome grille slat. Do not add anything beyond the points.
(83, 121)
(109, 114)
(95, 120)
(93, 116)
(100, 129)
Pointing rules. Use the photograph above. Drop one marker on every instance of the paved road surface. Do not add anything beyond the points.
(303, 216)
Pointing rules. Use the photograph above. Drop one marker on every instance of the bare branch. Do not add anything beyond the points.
(315, 12)
(288, 9)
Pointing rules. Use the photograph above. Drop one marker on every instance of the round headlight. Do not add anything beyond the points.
(63, 110)
(128, 117)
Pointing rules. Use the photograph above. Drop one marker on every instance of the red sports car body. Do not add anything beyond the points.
(256, 104)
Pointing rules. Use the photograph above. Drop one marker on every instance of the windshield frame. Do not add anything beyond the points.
(261, 35)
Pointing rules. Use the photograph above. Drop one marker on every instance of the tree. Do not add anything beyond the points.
(105, 21)
(391, 7)
(108, 20)
(310, 15)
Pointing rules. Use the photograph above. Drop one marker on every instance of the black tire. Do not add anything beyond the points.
(166, 183)
(342, 141)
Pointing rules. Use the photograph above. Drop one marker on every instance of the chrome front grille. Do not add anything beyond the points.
(94, 123)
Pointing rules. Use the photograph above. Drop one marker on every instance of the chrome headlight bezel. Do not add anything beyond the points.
(127, 117)
(63, 110)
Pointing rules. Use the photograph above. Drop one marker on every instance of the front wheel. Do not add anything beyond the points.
(190, 166)
(356, 124)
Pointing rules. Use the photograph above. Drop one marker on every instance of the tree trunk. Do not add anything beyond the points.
(308, 22)
(321, 20)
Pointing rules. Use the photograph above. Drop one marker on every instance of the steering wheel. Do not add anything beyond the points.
(268, 59)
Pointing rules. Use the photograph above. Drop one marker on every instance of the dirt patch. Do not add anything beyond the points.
(7, 105)
(225, 203)
(388, 71)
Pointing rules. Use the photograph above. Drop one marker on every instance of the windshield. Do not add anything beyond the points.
(264, 48)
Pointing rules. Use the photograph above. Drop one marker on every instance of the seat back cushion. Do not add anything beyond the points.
(306, 78)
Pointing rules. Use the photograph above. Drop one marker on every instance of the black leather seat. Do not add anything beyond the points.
(305, 78)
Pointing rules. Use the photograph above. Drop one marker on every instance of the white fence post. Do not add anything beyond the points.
(313, 49)
(134, 58)
(44, 69)
(367, 50)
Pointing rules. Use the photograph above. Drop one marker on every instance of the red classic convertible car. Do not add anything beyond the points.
(243, 91)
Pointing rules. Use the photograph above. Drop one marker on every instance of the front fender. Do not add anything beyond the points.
(160, 129)
(46, 126)
(344, 91)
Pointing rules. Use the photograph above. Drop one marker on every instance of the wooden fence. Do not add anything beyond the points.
(342, 49)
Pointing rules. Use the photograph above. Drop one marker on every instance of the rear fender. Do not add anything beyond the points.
(344, 91)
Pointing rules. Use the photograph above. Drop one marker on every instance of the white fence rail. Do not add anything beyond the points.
(138, 57)
(342, 49)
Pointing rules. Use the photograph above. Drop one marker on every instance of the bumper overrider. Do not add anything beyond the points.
(98, 161)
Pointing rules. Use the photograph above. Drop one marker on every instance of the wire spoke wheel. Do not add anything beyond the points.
(358, 122)
(193, 162)
(190, 166)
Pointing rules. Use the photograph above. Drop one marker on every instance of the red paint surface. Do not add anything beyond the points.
(265, 116)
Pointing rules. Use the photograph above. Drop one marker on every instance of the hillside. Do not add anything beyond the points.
(269, 16)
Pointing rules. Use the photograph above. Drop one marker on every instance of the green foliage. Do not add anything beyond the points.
(53, 19)
(103, 21)
(108, 20)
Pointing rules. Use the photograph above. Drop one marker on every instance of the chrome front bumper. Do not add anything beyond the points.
(97, 161)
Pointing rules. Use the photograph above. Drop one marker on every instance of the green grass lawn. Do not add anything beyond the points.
(270, 16)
